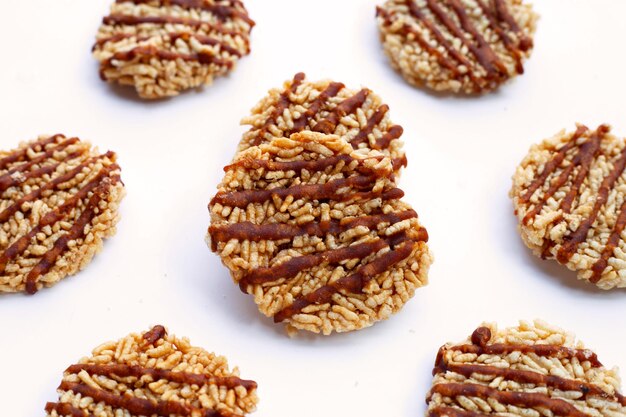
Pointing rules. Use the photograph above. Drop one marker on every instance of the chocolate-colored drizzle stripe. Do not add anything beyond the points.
(385, 140)
(520, 399)
(526, 377)
(312, 191)
(408, 29)
(480, 346)
(16, 206)
(151, 51)
(398, 163)
(572, 240)
(123, 371)
(77, 230)
(483, 52)
(9, 180)
(417, 14)
(66, 409)
(155, 334)
(271, 165)
(401, 248)
(222, 12)
(21, 244)
(277, 231)
(509, 44)
(552, 164)
(611, 244)
(135, 405)
(316, 105)
(283, 103)
(19, 156)
(443, 411)
(348, 106)
(173, 36)
(372, 122)
(503, 14)
(122, 19)
(589, 151)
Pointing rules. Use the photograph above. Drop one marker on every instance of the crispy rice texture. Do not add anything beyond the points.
(162, 47)
(568, 195)
(317, 233)
(59, 200)
(457, 46)
(358, 116)
(531, 370)
(153, 374)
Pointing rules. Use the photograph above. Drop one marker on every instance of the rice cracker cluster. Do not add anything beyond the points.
(162, 47)
(153, 374)
(457, 46)
(310, 220)
(531, 370)
(569, 195)
(59, 199)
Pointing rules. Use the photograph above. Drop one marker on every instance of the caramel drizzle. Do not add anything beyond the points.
(572, 240)
(611, 244)
(552, 164)
(520, 399)
(155, 334)
(123, 371)
(313, 191)
(220, 11)
(316, 105)
(54, 184)
(8, 179)
(372, 122)
(328, 124)
(77, 231)
(277, 231)
(408, 29)
(173, 36)
(294, 266)
(151, 51)
(20, 155)
(526, 377)
(400, 247)
(140, 406)
(283, 103)
(443, 411)
(21, 244)
(66, 409)
(485, 56)
(122, 19)
(419, 16)
(586, 153)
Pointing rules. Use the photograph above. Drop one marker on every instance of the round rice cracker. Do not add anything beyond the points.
(317, 233)
(569, 197)
(163, 47)
(457, 46)
(533, 369)
(153, 374)
(59, 199)
(358, 116)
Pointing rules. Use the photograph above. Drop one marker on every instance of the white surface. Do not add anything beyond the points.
(157, 268)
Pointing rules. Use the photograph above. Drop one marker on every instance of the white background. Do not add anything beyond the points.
(157, 269)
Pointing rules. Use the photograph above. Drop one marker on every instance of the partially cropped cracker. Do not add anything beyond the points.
(569, 194)
(532, 370)
(153, 374)
(162, 47)
(458, 46)
(59, 199)
(358, 116)
(318, 234)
